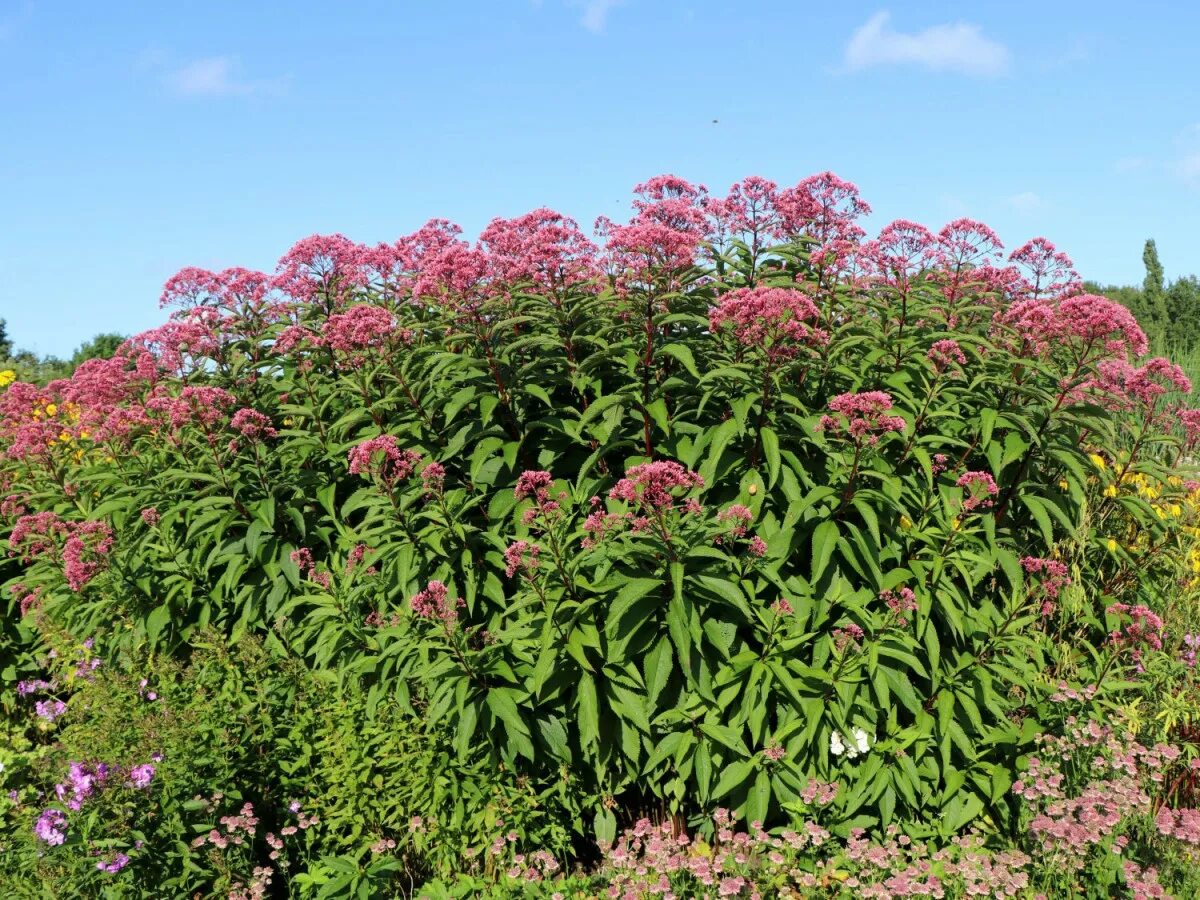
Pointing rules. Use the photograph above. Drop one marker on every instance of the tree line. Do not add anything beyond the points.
(29, 366)
(1169, 313)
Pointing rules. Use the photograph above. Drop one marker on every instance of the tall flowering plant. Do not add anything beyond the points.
(730, 499)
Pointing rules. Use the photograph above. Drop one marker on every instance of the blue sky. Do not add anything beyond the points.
(142, 137)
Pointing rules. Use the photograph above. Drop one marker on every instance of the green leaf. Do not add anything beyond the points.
(824, 540)
(683, 354)
(156, 621)
(589, 711)
(732, 777)
(658, 666)
(605, 826)
(770, 444)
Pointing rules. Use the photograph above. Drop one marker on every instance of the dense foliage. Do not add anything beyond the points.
(410, 553)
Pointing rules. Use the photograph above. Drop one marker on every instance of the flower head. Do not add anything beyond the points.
(434, 603)
(862, 418)
(979, 488)
(381, 458)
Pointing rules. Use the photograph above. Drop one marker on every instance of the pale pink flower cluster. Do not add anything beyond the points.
(978, 490)
(901, 601)
(361, 329)
(382, 459)
(534, 484)
(774, 320)
(654, 496)
(945, 352)
(521, 556)
(863, 418)
(655, 485)
(1051, 578)
(434, 603)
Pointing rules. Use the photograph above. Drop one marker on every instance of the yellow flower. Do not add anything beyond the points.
(1112, 544)
(1062, 483)
(7, 377)
(1110, 491)
(1176, 510)
(51, 409)
(955, 523)
(1098, 461)
(905, 523)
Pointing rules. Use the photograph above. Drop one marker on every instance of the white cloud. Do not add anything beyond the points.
(1187, 164)
(595, 13)
(1026, 201)
(1128, 164)
(212, 77)
(1188, 168)
(959, 47)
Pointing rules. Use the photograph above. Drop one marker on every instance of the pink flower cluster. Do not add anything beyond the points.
(654, 486)
(735, 520)
(521, 556)
(382, 459)
(863, 418)
(1045, 271)
(85, 553)
(534, 484)
(361, 329)
(774, 320)
(542, 248)
(901, 602)
(1145, 391)
(651, 492)
(37, 534)
(1052, 578)
(978, 488)
(1088, 787)
(236, 831)
(847, 636)
(1088, 327)
(945, 352)
(434, 603)
(1144, 628)
(302, 558)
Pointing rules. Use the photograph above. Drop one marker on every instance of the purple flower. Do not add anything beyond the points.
(141, 776)
(118, 862)
(51, 826)
(49, 710)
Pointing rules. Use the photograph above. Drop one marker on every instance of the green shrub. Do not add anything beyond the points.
(741, 504)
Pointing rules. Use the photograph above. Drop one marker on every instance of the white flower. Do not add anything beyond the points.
(836, 747)
(860, 738)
